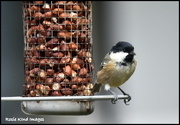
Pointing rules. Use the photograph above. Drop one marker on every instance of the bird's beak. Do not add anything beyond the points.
(132, 53)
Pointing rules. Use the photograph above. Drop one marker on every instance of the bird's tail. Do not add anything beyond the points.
(96, 88)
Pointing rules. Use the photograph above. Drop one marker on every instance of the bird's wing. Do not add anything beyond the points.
(105, 61)
(97, 86)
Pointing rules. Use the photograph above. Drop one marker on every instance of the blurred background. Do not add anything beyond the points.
(152, 27)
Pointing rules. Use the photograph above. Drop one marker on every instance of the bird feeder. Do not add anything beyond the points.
(58, 55)
(58, 63)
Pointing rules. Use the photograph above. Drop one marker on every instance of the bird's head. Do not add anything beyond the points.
(122, 52)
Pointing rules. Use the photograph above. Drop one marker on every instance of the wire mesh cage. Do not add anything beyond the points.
(58, 55)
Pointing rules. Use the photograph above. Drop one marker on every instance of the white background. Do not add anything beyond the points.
(152, 27)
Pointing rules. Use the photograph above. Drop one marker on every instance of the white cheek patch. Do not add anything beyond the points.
(118, 57)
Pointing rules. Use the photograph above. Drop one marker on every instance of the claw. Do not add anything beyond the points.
(127, 100)
(113, 101)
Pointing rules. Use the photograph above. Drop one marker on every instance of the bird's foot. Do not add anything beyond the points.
(127, 100)
(113, 101)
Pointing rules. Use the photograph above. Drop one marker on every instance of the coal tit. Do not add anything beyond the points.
(117, 67)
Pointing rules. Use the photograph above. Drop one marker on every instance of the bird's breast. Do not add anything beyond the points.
(115, 74)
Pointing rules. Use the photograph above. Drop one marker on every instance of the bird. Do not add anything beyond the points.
(117, 67)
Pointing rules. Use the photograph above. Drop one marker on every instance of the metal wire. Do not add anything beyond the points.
(58, 48)
(63, 98)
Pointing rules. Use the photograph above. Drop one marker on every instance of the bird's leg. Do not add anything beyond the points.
(107, 88)
(125, 100)
(113, 101)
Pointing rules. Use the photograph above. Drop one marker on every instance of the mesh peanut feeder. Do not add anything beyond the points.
(58, 55)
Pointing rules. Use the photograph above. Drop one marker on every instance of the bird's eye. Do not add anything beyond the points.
(124, 50)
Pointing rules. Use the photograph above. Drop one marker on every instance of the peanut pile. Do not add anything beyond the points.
(58, 48)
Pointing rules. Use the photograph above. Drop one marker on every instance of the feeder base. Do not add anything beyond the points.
(57, 107)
